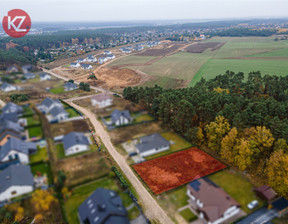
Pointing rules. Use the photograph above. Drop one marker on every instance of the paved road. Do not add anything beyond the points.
(261, 216)
(151, 208)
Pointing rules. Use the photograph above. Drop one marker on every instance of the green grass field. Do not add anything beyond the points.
(185, 68)
(71, 112)
(57, 90)
(40, 155)
(33, 120)
(237, 186)
(82, 192)
(188, 215)
(35, 132)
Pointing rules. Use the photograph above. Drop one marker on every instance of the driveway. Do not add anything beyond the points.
(151, 208)
(261, 216)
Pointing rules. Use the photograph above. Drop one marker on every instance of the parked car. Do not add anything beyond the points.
(253, 204)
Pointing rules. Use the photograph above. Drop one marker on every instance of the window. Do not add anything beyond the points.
(77, 148)
(13, 192)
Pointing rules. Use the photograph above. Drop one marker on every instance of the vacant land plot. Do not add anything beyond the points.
(131, 59)
(168, 172)
(81, 193)
(79, 169)
(67, 127)
(230, 181)
(201, 47)
(162, 50)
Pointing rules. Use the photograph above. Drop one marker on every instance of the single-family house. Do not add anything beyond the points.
(86, 66)
(74, 64)
(110, 56)
(91, 58)
(15, 180)
(103, 206)
(12, 108)
(69, 86)
(27, 68)
(29, 75)
(12, 68)
(9, 129)
(80, 60)
(212, 202)
(119, 118)
(101, 60)
(45, 76)
(152, 144)
(58, 114)
(75, 142)
(102, 100)
(15, 148)
(48, 104)
(6, 87)
(107, 52)
(125, 50)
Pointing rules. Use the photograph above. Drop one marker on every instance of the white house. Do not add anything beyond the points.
(110, 56)
(58, 114)
(75, 142)
(213, 203)
(152, 144)
(75, 65)
(48, 104)
(126, 50)
(102, 100)
(69, 86)
(80, 60)
(86, 66)
(15, 180)
(107, 52)
(101, 60)
(91, 58)
(15, 148)
(119, 118)
(6, 87)
(45, 76)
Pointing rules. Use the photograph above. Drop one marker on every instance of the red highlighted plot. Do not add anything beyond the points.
(168, 172)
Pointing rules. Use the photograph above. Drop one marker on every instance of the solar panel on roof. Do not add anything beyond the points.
(195, 185)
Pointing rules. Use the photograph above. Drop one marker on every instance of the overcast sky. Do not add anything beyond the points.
(128, 10)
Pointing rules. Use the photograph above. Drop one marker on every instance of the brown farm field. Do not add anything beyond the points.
(67, 127)
(201, 47)
(168, 172)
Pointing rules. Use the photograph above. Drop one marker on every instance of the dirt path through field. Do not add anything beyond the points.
(152, 209)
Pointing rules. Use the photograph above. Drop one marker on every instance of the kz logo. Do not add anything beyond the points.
(17, 23)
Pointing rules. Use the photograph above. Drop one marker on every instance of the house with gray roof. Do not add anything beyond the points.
(69, 86)
(81, 60)
(86, 66)
(12, 68)
(110, 56)
(27, 68)
(75, 142)
(6, 87)
(45, 76)
(12, 108)
(15, 180)
(91, 58)
(152, 144)
(101, 60)
(9, 116)
(75, 64)
(57, 114)
(119, 118)
(17, 149)
(48, 104)
(103, 206)
(29, 75)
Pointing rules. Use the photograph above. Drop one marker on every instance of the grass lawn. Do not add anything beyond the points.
(43, 168)
(82, 192)
(35, 132)
(27, 111)
(57, 90)
(71, 112)
(33, 120)
(237, 186)
(40, 155)
(188, 215)
(179, 143)
(138, 118)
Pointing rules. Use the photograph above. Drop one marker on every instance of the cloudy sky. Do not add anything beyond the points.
(129, 10)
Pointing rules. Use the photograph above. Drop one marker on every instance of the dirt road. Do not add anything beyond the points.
(2, 103)
(151, 208)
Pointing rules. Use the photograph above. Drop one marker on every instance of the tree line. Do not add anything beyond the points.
(249, 114)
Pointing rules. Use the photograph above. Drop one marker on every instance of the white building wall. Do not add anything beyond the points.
(102, 104)
(154, 151)
(22, 157)
(18, 190)
(76, 149)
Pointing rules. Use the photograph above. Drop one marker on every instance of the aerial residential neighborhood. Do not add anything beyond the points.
(163, 112)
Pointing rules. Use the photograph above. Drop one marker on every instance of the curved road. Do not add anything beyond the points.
(151, 208)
